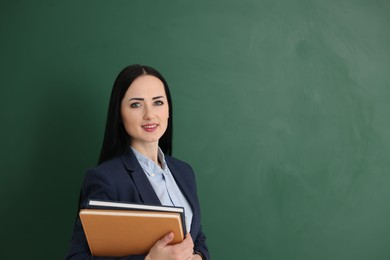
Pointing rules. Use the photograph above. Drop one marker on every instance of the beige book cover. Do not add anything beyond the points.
(118, 233)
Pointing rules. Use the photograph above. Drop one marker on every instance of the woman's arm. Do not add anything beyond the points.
(200, 245)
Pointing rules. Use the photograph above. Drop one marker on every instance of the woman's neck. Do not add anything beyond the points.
(149, 151)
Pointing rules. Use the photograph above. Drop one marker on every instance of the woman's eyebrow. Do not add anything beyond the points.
(158, 97)
(141, 99)
(136, 99)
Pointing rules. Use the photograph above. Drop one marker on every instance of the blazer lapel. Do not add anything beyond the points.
(185, 186)
(144, 187)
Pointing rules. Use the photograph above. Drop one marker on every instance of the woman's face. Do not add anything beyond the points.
(145, 111)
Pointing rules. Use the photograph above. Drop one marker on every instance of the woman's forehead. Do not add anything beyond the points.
(146, 85)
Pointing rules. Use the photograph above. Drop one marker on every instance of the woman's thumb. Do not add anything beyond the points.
(166, 239)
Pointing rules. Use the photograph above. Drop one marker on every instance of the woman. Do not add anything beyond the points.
(135, 164)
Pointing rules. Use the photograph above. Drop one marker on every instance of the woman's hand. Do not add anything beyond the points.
(181, 251)
(196, 257)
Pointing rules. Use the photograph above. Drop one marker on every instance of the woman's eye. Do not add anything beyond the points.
(135, 105)
(158, 103)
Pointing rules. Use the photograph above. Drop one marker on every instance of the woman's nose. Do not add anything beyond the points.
(149, 114)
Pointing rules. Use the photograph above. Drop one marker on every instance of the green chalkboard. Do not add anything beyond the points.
(281, 107)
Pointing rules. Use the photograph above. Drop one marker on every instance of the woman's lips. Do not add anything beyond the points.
(150, 127)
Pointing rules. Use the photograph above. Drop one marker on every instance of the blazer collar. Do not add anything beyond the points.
(145, 189)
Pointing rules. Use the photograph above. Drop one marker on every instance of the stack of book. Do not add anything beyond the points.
(119, 229)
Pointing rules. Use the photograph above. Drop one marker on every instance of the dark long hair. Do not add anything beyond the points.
(116, 140)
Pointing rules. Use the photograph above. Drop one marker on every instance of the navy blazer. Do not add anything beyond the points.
(123, 179)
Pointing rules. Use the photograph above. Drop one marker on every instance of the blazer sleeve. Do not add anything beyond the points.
(200, 245)
(96, 186)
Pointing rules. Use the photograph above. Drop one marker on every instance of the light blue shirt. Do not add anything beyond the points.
(164, 184)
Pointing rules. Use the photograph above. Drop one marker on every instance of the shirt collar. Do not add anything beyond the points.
(150, 166)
